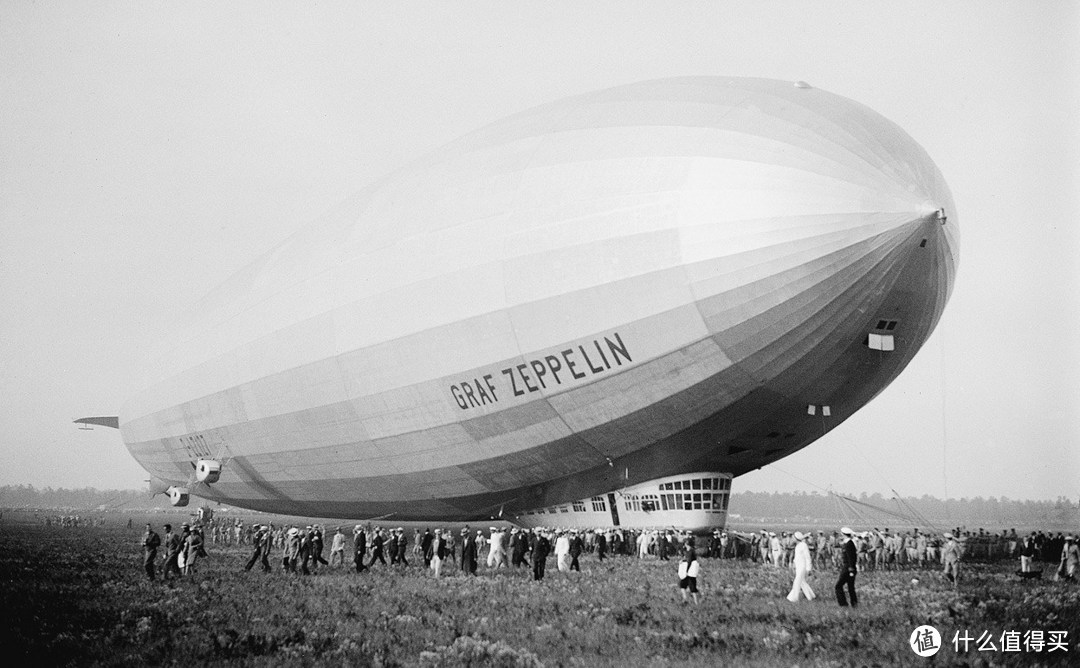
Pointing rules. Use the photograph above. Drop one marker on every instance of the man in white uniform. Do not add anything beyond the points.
(803, 564)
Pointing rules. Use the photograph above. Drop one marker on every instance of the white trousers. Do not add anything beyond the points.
(800, 585)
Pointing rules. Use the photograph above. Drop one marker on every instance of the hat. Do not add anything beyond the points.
(293, 531)
(798, 535)
(772, 533)
(948, 534)
(357, 527)
(847, 531)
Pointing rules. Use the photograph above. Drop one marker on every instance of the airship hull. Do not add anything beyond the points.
(636, 283)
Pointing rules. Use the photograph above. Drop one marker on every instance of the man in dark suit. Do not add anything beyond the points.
(540, 553)
(848, 568)
(261, 541)
(359, 548)
(173, 543)
(151, 542)
(519, 545)
(468, 552)
(577, 546)
(377, 548)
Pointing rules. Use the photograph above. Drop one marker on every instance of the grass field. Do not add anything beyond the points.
(79, 597)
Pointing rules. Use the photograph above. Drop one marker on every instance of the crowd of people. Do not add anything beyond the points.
(300, 550)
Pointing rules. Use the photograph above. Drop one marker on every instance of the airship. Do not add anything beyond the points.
(665, 282)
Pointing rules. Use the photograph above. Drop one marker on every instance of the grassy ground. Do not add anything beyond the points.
(78, 597)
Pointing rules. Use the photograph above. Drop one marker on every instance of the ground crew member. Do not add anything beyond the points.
(151, 542)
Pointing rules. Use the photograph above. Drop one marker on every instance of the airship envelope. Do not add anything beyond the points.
(633, 283)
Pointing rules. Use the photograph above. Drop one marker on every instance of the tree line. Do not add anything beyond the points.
(745, 507)
(901, 512)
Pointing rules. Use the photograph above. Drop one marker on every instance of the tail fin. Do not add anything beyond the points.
(109, 421)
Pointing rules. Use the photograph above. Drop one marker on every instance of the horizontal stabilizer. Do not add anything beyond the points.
(107, 421)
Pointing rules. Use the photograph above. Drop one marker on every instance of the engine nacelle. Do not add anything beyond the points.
(178, 496)
(208, 470)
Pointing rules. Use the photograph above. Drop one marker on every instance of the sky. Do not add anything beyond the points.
(148, 150)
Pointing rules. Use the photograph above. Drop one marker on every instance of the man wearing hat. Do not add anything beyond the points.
(577, 546)
(359, 548)
(950, 556)
(172, 553)
(261, 544)
(496, 548)
(469, 552)
(562, 551)
(849, 559)
(378, 543)
(519, 545)
(337, 548)
(803, 563)
(540, 553)
(151, 542)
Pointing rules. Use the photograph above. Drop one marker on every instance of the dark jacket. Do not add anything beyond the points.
(850, 557)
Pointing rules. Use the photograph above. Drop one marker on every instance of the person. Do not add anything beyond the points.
(562, 551)
(1027, 553)
(337, 548)
(359, 548)
(468, 552)
(776, 549)
(540, 553)
(317, 545)
(291, 550)
(950, 557)
(181, 557)
(803, 564)
(172, 554)
(496, 549)
(601, 544)
(261, 543)
(849, 560)
(689, 569)
(194, 550)
(577, 546)
(307, 549)
(377, 543)
(438, 552)
(150, 543)
(519, 545)
(402, 547)
(426, 546)
(1070, 555)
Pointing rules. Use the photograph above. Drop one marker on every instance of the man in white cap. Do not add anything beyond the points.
(803, 563)
(849, 560)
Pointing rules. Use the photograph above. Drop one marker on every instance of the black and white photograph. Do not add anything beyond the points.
(599, 333)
